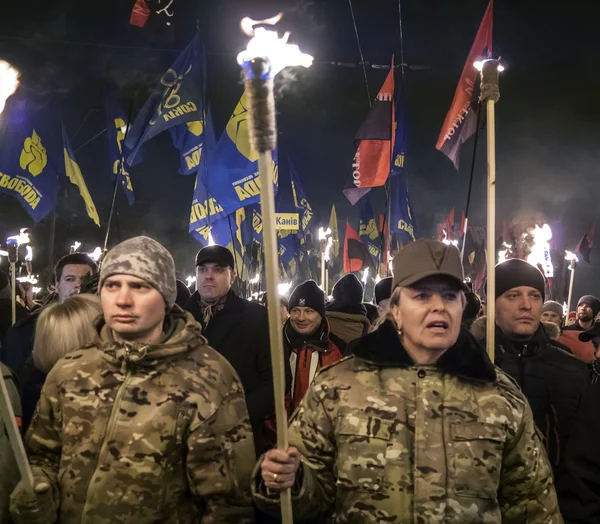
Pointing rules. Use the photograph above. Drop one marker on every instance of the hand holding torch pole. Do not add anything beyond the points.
(265, 56)
(490, 94)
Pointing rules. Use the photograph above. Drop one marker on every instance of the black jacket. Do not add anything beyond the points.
(553, 381)
(19, 342)
(579, 487)
(6, 318)
(240, 332)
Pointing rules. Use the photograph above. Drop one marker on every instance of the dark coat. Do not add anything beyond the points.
(6, 319)
(553, 381)
(579, 487)
(240, 332)
(19, 342)
(31, 380)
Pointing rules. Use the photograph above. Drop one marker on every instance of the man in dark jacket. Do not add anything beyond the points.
(69, 272)
(237, 329)
(553, 381)
(346, 313)
(588, 308)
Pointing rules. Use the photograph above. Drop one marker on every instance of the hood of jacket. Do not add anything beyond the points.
(181, 334)
(465, 359)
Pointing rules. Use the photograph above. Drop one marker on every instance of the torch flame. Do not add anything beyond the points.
(211, 240)
(540, 251)
(29, 279)
(9, 81)
(96, 254)
(365, 276)
(571, 256)
(190, 280)
(502, 254)
(447, 241)
(267, 44)
(22, 238)
(75, 246)
(3, 253)
(28, 253)
(256, 279)
(565, 309)
(283, 288)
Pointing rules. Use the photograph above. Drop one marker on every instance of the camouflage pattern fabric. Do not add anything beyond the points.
(134, 433)
(387, 444)
(145, 258)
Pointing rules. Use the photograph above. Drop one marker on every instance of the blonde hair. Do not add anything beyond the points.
(65, 327)
(394, 301)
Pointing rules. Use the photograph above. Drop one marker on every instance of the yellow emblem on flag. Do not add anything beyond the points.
(195, 127)
(75, 176)
(33, 156)
(237, 130)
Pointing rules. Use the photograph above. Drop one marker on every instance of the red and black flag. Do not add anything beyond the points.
(584, 248)
(356, 254)
(461, 120)
(374, 143)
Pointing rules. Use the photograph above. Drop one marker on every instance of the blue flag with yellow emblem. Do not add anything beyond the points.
(116, 129)
(189, 139)
(301, 204)
(26, 171)
(177, 99)
(402, 222)
(75, 175)
(233, 171)
(369, 232)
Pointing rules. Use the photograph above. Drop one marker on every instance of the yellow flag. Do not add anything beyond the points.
(333, 225)
(76, 177)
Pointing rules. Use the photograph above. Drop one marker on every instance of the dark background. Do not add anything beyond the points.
(547, 118)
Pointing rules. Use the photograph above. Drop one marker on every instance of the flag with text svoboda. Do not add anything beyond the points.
(189, 139)
(75, 175)
(27, 172)
(177, 99)
(116, 129)
(233, 170)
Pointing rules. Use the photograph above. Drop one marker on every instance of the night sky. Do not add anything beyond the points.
(547, 119)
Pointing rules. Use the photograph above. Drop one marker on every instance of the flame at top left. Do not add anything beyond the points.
(9, 81)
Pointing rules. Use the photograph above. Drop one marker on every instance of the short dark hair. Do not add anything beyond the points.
(79, 259)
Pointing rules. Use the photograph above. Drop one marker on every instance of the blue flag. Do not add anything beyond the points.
(177, 99)
(400, 140)
(368, 231)
(189, 139)
(247, 226)
(205, 212)
(288, 241)
(233, 170)
(75, 175)
(116, 128)
(301, 204)
(27, 172)
(402, 222)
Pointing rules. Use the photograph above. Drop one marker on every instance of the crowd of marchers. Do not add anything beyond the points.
(139, 402)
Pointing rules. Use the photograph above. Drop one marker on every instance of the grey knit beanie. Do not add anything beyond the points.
(145, 258)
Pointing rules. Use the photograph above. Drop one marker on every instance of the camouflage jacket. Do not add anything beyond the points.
(384, 440)
(133, 433)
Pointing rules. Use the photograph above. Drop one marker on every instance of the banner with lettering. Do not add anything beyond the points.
(368, 231)
(116, 129)
(233, 170)
(402, 222)
(301, 204)
(26, 171)
(189, 139)
(177, 99)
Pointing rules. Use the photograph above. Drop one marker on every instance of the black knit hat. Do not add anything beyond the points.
(383, 289)
(591, 301)
(309, 295)
(516, 273)
(348, 290)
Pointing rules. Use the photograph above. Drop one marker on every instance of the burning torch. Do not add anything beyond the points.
(572, 258)
(325, 242)
(490, 94)
(264, 57)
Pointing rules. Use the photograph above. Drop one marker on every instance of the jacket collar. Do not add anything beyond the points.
(295, 340)
(530, 346)
(466, 359)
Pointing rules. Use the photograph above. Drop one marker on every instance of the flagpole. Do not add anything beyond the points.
(121, 168)
(490, 94)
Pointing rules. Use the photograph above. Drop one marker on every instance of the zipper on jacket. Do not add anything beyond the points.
(114, 413)
(521, 356)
